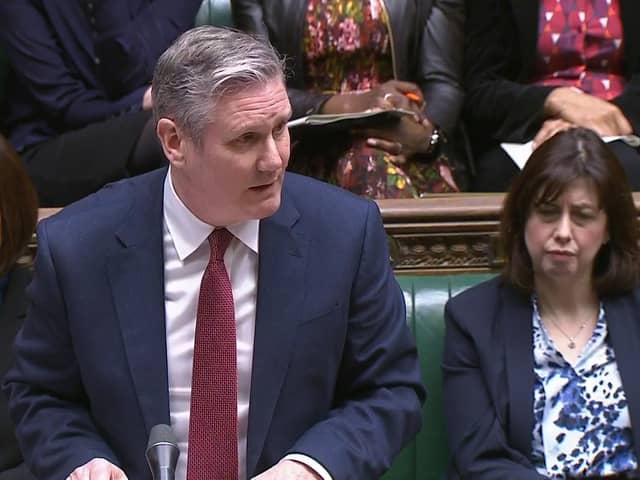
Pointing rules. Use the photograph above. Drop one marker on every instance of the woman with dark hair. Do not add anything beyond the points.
(348, 57)
(534, 67)
(540, 364)
(18, 215)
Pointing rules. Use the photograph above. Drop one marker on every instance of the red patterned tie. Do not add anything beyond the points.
(213, 425)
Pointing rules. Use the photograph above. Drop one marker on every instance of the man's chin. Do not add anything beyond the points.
(266, 207)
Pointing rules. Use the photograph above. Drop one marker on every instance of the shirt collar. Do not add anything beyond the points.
(188, 232)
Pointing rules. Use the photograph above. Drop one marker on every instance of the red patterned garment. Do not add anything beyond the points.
(347, 48)
(580, 45)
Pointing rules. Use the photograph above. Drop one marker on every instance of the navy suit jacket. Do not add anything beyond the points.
(489, 377)
(335, 372)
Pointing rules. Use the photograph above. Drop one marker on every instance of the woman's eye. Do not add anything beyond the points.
(584, 216)
(547, 211)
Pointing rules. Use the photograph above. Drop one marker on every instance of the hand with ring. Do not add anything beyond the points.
(391, 94)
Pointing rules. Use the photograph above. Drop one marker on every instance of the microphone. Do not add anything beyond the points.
(162, 452)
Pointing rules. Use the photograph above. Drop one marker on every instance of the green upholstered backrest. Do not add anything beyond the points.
(215, 12)
(426, 457)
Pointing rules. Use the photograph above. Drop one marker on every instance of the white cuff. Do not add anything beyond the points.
(311, 463)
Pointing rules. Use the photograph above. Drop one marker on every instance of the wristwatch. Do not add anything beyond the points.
(434, 142)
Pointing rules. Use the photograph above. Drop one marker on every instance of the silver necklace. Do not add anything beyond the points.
(572, 339)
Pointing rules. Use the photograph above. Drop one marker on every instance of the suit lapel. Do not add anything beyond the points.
(282, 260)
(526, 14)
(518, 337)
(624, 331)
(136, 274)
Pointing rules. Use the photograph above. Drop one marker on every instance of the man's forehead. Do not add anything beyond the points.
(261, 104)
(270, 91)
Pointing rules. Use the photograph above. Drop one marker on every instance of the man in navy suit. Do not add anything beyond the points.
(328, 383)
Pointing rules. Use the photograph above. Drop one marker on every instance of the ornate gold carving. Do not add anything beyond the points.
(453, 252)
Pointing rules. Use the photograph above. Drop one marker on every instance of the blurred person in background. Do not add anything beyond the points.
(79, 93)
(351, 56)
(535, 67)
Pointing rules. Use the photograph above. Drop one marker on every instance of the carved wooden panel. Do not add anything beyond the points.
(443, 233)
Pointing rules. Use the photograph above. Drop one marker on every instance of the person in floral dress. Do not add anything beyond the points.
(349, 58)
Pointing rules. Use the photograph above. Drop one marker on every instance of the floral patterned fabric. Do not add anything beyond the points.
(581, 416)
(347, 48)
(580, 45)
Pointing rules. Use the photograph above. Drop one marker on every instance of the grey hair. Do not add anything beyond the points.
(203, 65)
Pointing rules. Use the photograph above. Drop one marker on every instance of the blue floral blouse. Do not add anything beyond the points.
(581, 418)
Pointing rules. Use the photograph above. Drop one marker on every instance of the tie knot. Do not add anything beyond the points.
(219, 240)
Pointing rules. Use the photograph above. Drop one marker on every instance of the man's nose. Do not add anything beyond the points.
(271, 159)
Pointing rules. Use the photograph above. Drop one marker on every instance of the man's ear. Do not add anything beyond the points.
(172, 140)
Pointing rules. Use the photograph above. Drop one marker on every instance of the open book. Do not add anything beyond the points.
(322, 124)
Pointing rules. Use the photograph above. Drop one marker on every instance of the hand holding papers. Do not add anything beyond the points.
(323, 124)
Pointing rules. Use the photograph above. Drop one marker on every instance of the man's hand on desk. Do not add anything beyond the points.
(288, 470)
(99, 469)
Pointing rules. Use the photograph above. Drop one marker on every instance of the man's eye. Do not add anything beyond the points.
(280, 129)
(249, 137)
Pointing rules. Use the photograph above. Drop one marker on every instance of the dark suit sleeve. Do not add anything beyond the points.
(379, 393)
(130, 43)
(476, 435)
(441, 60)
(46, 398)
(498, 107)
(39, 63)
(629, 102)
(248, 15)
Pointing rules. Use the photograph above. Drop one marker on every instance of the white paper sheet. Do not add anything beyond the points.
(520, 152)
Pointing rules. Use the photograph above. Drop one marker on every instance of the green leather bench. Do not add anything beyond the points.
(426, 457)
(439, 246)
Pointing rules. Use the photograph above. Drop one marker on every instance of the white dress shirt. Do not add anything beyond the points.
(186, 254)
